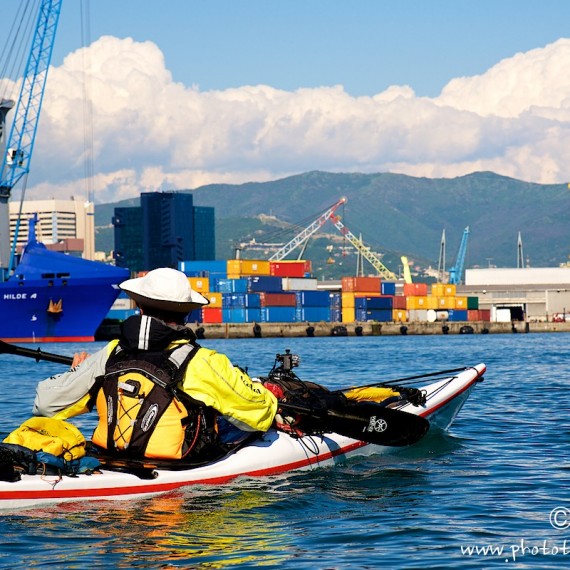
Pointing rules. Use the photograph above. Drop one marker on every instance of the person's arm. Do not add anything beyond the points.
(66, 395)
(212, 379)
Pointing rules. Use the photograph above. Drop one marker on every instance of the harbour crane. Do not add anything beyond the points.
(329, 214)
(456, 272)
(18, 148)
(303, 236)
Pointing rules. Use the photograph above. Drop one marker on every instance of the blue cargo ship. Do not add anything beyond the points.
(54, 297)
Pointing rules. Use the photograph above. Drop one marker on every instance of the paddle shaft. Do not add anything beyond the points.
(37, 354)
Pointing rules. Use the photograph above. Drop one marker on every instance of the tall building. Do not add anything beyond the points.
(63, 225)
(163, 231)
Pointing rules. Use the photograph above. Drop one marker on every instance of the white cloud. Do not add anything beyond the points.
(150, 132)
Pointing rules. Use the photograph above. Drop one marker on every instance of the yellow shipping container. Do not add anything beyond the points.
(244, 267)
(348, 314)
(399, 315)
(215, 299)
(200, 284)
(443, 290)
(416, 302)
(446, 302)
(461, 303)
(347, 300)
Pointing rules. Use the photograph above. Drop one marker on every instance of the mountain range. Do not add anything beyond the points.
(393, 214)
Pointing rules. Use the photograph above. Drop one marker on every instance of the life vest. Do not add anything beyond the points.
(141, 411)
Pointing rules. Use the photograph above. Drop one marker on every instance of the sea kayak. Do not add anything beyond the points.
(273, 453)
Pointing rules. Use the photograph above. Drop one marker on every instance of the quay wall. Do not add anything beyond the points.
(288, 330)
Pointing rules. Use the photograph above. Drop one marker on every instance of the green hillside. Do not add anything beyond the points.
(395, 214)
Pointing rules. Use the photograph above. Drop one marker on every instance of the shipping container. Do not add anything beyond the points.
(215, 299)
(227, 285)
(446, 303)
(472, 302)
(313, 314)
(278, 299)
(379, 315)
(456, 315)
(299, 284)
(265, 284)
(236, 315)
(461, 303)
(211, 315)
(278, 314)
(388, 288)
(420, 302)
(200, 284)
(335, 300)
(204, 268)
(418, 315)
(485, 315)
(290, 268)
(247, 267)
(443, 289)
(399, 315)
(382, 302)
(415, 289)
(399, 302)
(336, 315)
(241, 300)
(348, 314)
(194, 316)
(361, 284)
(313, 298)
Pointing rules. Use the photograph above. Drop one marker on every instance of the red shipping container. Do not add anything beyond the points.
(399, 302)
(289, 268)
(211, 315)
(278, 299)
(361, 284)
(415, 289)
(473, 315)
(485, 314)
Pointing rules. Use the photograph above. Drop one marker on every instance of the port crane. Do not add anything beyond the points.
(456, 272)
(16, 152)
(303, 236)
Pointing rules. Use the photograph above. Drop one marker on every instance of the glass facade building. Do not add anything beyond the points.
(167, 228)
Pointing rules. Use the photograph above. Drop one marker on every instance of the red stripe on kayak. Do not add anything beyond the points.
(164, 487)
(427, 413)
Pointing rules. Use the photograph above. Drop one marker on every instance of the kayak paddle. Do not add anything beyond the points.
(366, 421)
(37, 355)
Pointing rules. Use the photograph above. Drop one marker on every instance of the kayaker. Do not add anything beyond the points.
(157, 392)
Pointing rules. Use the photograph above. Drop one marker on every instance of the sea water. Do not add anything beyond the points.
(493, 492)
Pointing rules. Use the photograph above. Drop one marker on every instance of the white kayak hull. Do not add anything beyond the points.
(274, 453)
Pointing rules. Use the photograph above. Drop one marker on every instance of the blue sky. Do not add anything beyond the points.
(365, 45)
(192, 92)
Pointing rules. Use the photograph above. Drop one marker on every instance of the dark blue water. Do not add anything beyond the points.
(481, 496)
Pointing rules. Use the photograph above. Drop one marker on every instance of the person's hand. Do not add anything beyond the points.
(78, 358)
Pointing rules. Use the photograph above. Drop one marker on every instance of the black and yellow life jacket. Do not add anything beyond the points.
(142, 412)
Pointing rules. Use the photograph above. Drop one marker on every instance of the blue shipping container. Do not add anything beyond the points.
(381, 315)
(205, 267)
(387, 288)
(224, 285)
(241, 315)
(336, 315)
(265, 284)
(371, 303)
(313, 314)
(335, 300)
(313, 298)
(241, 300)
(457, 315)
(278, 314)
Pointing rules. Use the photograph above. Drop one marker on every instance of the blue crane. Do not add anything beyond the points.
(456, 272)
(17, 151)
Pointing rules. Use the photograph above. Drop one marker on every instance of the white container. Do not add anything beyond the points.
(299, 284)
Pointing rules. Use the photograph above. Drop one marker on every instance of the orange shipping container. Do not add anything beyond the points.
(245, 267)
(415, 289)
(215, 299)
(361, 284)
(461, 303)
(416, 302)
(200, 284)
(443, 290)
(399, 315)
(399, 302)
